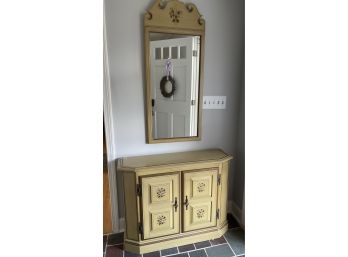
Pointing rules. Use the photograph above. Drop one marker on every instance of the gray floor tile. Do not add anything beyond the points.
(220, 251)
(152, 254)
(235, 237)
(129, 254)
(180, 255)
(202, 244)
(198, 253)
(218, 241)
(185, 248)
(169, 251)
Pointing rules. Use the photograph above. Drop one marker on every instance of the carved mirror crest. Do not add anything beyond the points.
(174, 53)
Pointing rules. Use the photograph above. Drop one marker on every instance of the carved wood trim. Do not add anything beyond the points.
(174, 14)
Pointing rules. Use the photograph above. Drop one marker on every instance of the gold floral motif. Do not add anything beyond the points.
(175, 15)
(161, 219)
(161, 192)
(200, 213)
(201, 187)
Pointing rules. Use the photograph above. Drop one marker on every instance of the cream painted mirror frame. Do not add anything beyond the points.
(189, 22)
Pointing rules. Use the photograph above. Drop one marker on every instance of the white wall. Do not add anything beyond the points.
(223, 75)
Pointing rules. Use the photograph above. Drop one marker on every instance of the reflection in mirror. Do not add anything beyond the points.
(174, 72)
(174, 34)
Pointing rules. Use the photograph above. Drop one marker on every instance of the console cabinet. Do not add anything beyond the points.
(174, 199)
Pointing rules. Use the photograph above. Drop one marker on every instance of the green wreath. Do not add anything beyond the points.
(164, 80)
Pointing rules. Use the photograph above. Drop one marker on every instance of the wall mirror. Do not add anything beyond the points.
(174, 53)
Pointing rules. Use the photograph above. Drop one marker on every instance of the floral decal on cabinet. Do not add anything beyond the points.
(201, 187)
(200, 213)
(161, 219)
(161, 192)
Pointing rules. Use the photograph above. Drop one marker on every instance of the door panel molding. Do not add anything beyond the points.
(200, 199)
(158, 197)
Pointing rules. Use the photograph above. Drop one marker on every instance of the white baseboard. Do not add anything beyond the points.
(236, 212)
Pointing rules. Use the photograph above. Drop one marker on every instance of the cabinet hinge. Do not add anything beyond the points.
(139, 189)
(141, 228)
(219, 179)
(195, 53)
(193, 102)
(218, 213)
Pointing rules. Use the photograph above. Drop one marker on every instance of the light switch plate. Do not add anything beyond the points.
(214, 102)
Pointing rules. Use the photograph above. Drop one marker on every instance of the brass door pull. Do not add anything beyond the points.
(186, 203)
(176, 204)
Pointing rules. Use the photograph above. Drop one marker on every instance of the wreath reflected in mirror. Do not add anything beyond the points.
(167, 91)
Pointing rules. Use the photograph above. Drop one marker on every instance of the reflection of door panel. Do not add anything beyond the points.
(160, 216)
(175, 116)
(200, 194)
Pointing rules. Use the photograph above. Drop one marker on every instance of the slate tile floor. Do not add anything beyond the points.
(229, 245)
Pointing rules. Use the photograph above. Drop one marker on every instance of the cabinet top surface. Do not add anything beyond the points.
(173, 158)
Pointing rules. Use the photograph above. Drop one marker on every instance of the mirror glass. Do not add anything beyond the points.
(174, 65)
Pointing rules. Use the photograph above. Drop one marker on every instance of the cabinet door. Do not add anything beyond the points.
(200, 199)
(160, 205)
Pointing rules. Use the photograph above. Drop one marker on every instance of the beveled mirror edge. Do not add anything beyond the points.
(193, 26)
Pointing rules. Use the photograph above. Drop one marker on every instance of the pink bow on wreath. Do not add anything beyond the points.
(169, 67)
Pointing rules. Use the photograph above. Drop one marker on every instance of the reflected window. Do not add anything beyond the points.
(165, 52)
(182, 52)
(158, 53)
(174, 52)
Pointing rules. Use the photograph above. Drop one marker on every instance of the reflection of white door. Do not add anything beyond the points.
(175, 116)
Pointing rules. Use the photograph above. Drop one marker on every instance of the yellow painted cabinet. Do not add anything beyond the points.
(159, 202)
(200, 199)
(174, 199)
